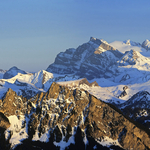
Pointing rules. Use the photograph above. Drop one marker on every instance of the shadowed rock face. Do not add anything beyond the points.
(146, 44)
(76, 113)
(13, 72)
(80, 61)
(138, 108)
(4, 124)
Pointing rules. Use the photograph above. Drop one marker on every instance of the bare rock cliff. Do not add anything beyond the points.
(74, 113)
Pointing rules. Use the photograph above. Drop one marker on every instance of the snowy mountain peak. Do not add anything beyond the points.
(132, 53)
(97, 41)
(131, 43)
(78, 60)
(92, 39)
(41, 78)
(14, 67)
(13, 72)
(146, 44)
(133, 57)
(127, 42)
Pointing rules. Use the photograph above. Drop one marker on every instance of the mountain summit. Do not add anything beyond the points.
(98, 59)
(91, 58)
(13, 72)
(146, 44)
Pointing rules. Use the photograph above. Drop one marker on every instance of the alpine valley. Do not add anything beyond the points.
(96, 96)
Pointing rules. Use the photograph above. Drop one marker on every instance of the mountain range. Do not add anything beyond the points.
(93, 97)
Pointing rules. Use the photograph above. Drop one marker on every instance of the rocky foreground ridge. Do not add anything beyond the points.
(64, 119)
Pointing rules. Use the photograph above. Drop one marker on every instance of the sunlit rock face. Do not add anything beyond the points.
(64, 118)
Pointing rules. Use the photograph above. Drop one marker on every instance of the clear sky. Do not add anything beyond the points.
(33, 32)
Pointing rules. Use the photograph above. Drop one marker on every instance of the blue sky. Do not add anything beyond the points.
(33, 32)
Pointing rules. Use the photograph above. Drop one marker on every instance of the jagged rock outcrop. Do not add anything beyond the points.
(123, 93)
(12, 104)
(64, 115)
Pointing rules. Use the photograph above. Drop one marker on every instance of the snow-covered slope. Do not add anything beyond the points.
(138, 100)
(132, 68)
(138, 108)
(127, 45)
(27, 84)
(37, 79)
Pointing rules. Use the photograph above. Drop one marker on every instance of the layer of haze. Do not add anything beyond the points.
(33, 32)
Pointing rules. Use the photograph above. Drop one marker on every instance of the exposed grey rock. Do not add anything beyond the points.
(124, 93)
(89, 60)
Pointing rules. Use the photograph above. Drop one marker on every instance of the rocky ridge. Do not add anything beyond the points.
(71, 117)
(138, 108)
(78, 83)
